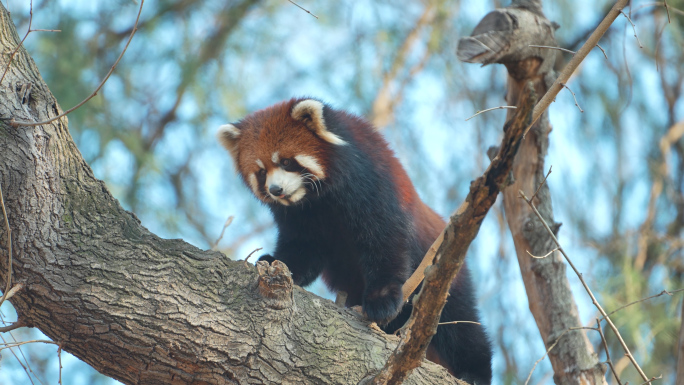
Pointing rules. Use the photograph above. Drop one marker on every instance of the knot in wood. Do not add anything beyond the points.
(275, 284)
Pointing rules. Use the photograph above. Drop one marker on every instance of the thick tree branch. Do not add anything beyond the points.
(146, 310)
(508, 35)
(451, 250)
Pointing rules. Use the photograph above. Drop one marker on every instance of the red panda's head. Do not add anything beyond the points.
(282, 152)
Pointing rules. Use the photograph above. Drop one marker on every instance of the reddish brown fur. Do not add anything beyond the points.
(273, 129)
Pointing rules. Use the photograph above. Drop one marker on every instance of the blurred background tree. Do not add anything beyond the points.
(618, 176)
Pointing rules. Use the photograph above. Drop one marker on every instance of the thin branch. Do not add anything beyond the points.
(667, 9)
(657, 4)
(543, 256)
(15, 123)
(5, 293)
(9, 345)
(384, 102)
(449, 250)
(458, 322)
(27, 368)
(303, 9)
(490, 109)
(551, 347)
(644, 299)
(586, 288)
(604, 52)
(570, 68)
(573, 96)
(59, 356)
(542, 183)
(605, 346)
(660, 377)
(10, 327)
(556, 48)
(21, 43)
(225, 226)
(250, 254)
(22, 40)
(634, 28)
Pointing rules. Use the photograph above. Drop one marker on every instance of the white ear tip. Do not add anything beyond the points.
(311, 111)
(309, 104)
(228, 130)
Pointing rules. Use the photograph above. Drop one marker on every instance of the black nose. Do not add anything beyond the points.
(275, 190)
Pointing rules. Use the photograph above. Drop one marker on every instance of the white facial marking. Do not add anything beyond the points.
(260, 164)
(310, 163)
(299, 194)
(275, 158)
(314, 109)
(290, 182)
(253, 184)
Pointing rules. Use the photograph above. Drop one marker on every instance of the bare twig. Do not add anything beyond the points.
(9, 345)
(660, 377)
(556, 48)
(657, 4)
(542, 183)
(634, 28)
(21, 43)
(225, 226)
(586, 288)
(388, 96)
(10, 327)
(417, 277)
(8, 286)
(22, 40)
(573, 96)
(604, 52)
(644, 299)
(605, 346)
(250, 254)
(303, 9)
(15, 123)
(490, 109)
(667, 9)
(551, 347)
(27, 368)
(458, 322)
(570, 68)
(543, 256)
(59, 356)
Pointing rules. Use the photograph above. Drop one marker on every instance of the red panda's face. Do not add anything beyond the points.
(281, 151)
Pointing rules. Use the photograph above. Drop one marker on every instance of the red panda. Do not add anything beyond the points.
(345, 208)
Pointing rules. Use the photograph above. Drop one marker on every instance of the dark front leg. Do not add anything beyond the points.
(303, 258)
(384, 273)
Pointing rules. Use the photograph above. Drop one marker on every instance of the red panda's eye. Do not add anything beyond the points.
(262, 172)
(285, 162)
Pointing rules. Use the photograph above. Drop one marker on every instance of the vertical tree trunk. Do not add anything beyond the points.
(504, 36)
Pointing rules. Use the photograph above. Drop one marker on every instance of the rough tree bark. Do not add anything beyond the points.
(143, 309)
(504, 36)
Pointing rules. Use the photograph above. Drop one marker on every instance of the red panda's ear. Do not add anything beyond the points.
(310, 112)
(229, 136)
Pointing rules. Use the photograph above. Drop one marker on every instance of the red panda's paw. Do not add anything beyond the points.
(381, 304)
(267, 257)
